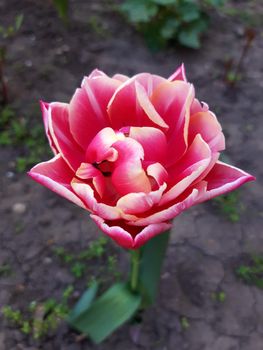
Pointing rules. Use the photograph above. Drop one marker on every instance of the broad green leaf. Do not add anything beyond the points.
(188, 12)
(189, 38)
(139, 11)
(152, 257)
(169, 28)
(165, 2)
(18, 21)
(108, 312)
(84, 303)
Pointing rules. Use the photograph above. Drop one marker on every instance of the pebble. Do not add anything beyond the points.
(47, 260)
(10, 174)
(19, 208)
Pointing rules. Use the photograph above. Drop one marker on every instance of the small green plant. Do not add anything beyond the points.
(62, 9)
(252, 273)
(6, 33)
(219, 296)
(40, 318)
(17, 131)
(162, 21)
(5, 270)
(184, 323)
(229, 205)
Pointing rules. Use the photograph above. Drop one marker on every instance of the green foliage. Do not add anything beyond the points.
(17, 131)
(252, 273)
(219, 296)
(229, 205)
(62, 9)
(184, 323)
(11, 30)
(165, 20)
(5, 270)
(78, 262)
(40, 318)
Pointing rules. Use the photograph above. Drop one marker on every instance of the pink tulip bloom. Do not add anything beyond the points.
(135, 152)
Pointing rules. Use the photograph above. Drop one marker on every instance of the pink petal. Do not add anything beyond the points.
(130, 106)
(188, 169)
(135, 203)
(61, 135)
(44, 108)
(149, 232)
(88, 108)
(149, 81)
(198, 106)
(118, 234)
(123, 234)
(87, 171)
(172, 101)
(107, 212)
(224, 178)
(167, 214)
(153, 142)
(120, 77)
(100, 147)
(96, 73)
(179, 74)
(158, 172)
(206, 124)
(128, 175)
(56, 175)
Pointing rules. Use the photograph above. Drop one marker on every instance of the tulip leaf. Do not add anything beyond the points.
(117, 305)
(84, 303)
(152, 257)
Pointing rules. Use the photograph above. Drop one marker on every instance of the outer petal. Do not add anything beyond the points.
(169, 213)
(56, 175)
(222, 179)
(123, 234)
(130, 106)
(206, 124)
(44, 108)
(135, 203)
(188, 169)
(87, 109)
(61, 135)
(172, 101)
(179, 74)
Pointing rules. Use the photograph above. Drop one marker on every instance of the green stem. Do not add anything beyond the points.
(135, 267)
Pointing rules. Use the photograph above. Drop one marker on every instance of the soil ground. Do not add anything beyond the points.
(202, 304)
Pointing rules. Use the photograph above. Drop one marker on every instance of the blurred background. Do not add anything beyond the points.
(211, 294)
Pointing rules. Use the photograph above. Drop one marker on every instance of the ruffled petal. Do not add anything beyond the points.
(179, 74)
(206, 124)
(44, 108)
(136, 203)
(173, 100)
(131, 106)
(87, 171)
(61, 135)
(129, 237)
(167, 214)
(188, 169)
(88, 108)
(224, 178)
(153, 142)
(56, 175)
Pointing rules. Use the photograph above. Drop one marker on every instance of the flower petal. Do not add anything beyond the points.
(135, 203)
(61, 135)
(153, 142)
(87, 109)
(130, 106)
(56, 175)
(188, 169)
(149, 232)
(224, 178)
(44, 108)
(172, 101)
(179, 74)
(206, 124)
